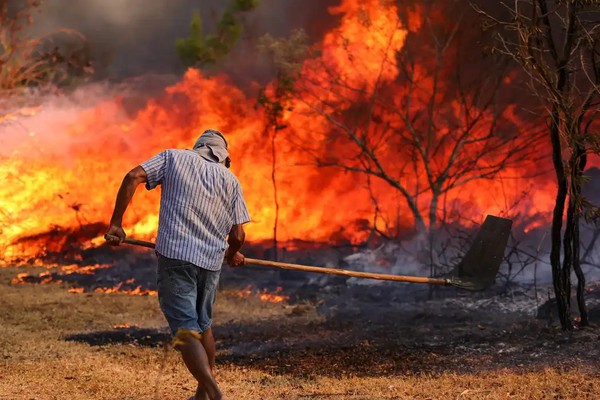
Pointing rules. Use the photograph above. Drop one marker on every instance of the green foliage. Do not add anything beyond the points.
(193, 47)
(200, 49)
(244, 5)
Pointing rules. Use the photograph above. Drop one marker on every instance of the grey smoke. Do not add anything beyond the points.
(133, 37)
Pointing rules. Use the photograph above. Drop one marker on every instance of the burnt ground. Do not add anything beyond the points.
(374, 338)
(350, 327)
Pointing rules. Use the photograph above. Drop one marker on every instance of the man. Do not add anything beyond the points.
(201, 205)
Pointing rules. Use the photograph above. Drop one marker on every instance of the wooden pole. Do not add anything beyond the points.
(345, 272)
(321, 270)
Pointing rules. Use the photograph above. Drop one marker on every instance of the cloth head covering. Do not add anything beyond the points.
(212, 146)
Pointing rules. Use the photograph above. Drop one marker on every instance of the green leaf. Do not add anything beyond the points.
(200, 49)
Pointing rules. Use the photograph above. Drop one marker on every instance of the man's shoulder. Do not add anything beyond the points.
(166, 152)
(181, 154)
(220, 169)
(177, 152)
(235, 182)
(225, 174)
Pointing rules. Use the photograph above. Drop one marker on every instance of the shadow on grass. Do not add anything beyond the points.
(132, 335)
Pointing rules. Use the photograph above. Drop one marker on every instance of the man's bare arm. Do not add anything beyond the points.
(236, 239)
(124, 196)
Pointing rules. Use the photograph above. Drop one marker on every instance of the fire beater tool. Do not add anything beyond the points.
(476, 271)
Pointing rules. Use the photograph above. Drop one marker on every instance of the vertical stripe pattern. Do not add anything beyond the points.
(200, 202)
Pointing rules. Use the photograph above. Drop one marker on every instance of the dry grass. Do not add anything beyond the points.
(37, 363)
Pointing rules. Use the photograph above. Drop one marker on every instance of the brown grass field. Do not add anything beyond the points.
(36, 362)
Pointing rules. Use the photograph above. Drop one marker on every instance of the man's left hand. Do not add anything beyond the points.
(235, 260)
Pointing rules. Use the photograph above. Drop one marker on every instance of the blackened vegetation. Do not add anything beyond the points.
(64, 250)
(57, 244)
(384, 340)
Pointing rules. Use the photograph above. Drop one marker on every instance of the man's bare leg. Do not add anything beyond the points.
(196, 360)
(208, 342)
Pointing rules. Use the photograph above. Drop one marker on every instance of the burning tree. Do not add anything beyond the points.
(557, 44)
(413, 108)
(18, 65)
(277, 98)
(37, 60)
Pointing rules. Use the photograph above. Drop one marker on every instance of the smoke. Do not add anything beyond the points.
(41, 125)
(133, 37)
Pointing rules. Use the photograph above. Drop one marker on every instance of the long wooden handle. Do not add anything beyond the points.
(345, 272)
(321, 270)
(136, 242)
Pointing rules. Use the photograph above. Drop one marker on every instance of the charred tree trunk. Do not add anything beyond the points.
(579, 161)
(561, 281)
(561, 277)
(567, 264)
(433, 210)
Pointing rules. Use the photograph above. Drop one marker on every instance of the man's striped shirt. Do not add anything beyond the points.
(200, 202)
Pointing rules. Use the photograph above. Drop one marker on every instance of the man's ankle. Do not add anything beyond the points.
(200, 393)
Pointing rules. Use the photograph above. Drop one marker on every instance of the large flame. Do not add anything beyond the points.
(61, 164)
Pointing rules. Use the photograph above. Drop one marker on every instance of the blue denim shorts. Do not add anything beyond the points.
(186, 294)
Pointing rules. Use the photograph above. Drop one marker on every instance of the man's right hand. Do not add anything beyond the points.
(235, 260)
(115, 231)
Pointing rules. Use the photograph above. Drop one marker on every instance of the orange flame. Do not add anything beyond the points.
(47, 277)
(263, 295)
(20, 278)
(138, 291)
(123, 326)
(274, 297)
(64, 169)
